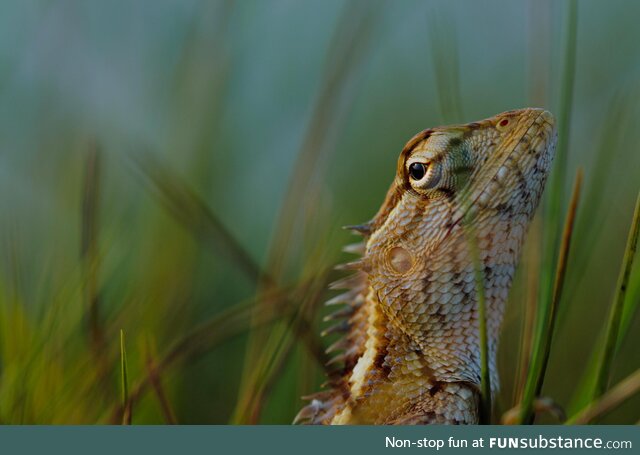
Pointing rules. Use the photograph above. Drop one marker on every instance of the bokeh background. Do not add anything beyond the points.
(180, 171)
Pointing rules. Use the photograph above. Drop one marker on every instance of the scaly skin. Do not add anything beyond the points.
(411, 351)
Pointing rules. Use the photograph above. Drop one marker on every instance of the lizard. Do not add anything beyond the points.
(410, 353)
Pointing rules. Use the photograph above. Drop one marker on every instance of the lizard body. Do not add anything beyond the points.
(411, 351)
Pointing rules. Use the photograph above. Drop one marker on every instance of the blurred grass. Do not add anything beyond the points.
(542, 345)
(609, 401)
(613, 334)
(266, 126)
(272, 345)
(124, 383)
(443, 44)
(552, 277)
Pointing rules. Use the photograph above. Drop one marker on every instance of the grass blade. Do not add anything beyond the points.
(590, 233)
(485, 376)
(558, 177)
(89, 246)
(445, 61)
(556, 190)
(539, 51)
(612, 340)
(531, 269)
(630, 307)
(345, 56)
(191, 211)
(275, 354)
(610, 144)
(156, 382)
(609, 401)
(126, 402)
(548, 313)
(545, 319)
(540, 405)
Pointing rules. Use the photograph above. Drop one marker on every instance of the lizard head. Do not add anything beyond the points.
(488, 173)
(438, 163)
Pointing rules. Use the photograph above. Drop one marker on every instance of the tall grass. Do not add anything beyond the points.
(550, 280)
(613, 332)
(269, 348)
(542, 344)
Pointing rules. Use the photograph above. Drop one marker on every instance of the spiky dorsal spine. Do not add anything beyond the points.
(350, 321)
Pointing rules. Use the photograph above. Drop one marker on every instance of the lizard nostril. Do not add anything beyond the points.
(400, 259)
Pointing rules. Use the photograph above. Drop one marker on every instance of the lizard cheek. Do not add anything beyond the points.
(400, 259)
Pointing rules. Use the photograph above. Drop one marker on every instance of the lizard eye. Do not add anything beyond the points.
(424, 175)
(417, 170)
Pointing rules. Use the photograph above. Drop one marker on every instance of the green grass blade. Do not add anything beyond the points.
(126, 403)
(588, 234)
(565, 247)
(531, 269)
(155, 379)
(558, 177)
(539, 52)
(624, 307)
(485, 373)
(281, 342)
(556, 186)
(612, 337)
(564, 116)
(608, 152)
(631, 304)
(198, 89)
(89, 246)
(192, 212)
(345, 57)
(609, 401)
(445, 61)
(548, 313)
(545, 318)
